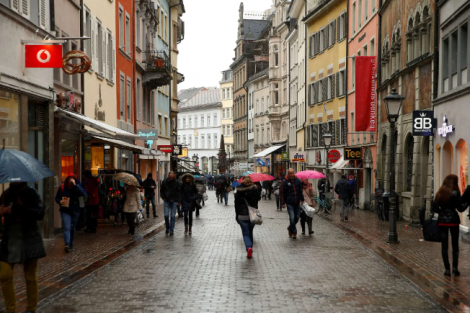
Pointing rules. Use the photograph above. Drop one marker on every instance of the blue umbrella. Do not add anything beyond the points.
(18, 166)
(247, 173)
(208, 175)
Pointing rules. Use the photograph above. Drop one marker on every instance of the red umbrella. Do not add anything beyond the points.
(256, 177)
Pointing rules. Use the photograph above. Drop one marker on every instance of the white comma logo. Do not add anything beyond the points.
(48, 56)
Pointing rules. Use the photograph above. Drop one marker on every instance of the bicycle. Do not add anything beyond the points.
(325, 205)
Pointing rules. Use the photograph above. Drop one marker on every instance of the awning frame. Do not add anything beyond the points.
(268, 151)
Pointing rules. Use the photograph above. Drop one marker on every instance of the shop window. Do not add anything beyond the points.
(409, 162)
(36, 124)
(9, 123)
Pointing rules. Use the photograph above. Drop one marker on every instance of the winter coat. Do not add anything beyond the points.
(448, 213)
(343, 189)
(291, 191)
(189, 195)
(73, 194)
(308, 195)
(92, 187)
(170, 190)
(249, 193)
(21, 238)
(147, 184)
(133, 201)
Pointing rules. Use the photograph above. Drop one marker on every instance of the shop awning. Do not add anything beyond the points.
(268, 151)
(88, 121)
(339, 164)
(150, 154)
(121, 144)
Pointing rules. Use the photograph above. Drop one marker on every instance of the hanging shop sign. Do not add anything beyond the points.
(177, 150)
(243, 165)
(147, 134)
(70, 66)
(43, 56)
(366, 115)
(352, 154)
(334, 156)
(260, 162)
(423, 123)
(268, 162)
(285, 156)
(298, 158)
(445, 129)
(184, 153)
(165, 148)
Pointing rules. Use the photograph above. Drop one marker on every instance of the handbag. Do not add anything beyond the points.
(276, 192)
(205, 196)
(431, 229)
(255, 216)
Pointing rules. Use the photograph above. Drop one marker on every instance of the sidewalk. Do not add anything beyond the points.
(60, 270)
(418, 260)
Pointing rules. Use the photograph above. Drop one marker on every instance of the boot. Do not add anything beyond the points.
(309, 223)
(185, 229)
(190, 230)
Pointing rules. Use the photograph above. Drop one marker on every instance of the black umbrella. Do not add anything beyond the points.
(18, 166)
(200, 178)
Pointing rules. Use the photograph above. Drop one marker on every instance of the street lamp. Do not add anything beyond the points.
(327, 140)
(393, 102)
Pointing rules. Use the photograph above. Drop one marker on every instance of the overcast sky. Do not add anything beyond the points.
(211, 28)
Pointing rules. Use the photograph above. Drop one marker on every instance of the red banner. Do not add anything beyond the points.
(48, 56)
(366, 109)
(165, 148)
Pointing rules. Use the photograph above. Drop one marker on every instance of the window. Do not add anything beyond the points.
(257, 106)
(409, 162)
(262, 105)
(276, 56)
(209, 137)
(320, 91)
(364, 50)
(195, 122)
(137, 99)
(332, 33)
(224, 130)
(203, 141)
(331, 87)
(359, 12)
(202, 121)
(152, 108)
(353, 73)
(101, 45)
(341, 83)
(122, 95)
(110, 58)
(453, 58)
(121, 27)
(444, 64)
(208, 120)
(215, 120)
(137, 28)
(223, 113)
(463, 52)
(373, 5)
(87, 29)
(129, 100)
(184, 123)
(190, 141)
(267, 103)
(128, 33)
(160, 126)
(322, 44)
(190, 124)
(196, 143)
(372, 47)
(215, 141)
(354, 17)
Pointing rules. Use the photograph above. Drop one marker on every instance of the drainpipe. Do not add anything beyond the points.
(306, 72)
(435, 83)
(379, 81)
(134, 70)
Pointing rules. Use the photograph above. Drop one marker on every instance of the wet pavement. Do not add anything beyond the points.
(329, 271)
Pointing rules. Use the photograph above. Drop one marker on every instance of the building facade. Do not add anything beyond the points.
(226, 113)
(406, 63)
(453, 86)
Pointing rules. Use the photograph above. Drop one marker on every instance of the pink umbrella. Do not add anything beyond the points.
(256, 177)
(309, 175)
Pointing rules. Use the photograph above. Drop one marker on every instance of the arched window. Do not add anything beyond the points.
(276, 56)
(409, 161)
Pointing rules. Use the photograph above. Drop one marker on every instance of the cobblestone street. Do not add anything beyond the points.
(208, 272)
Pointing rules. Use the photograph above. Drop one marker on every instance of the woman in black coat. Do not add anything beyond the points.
(22, 242)
(189, 195)
(249, 193)
(447, 204)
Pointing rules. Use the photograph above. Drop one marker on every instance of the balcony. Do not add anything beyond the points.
(157, 70)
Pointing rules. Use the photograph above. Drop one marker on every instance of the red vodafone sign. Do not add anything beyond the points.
(46, 56)
(334, 156)
(165, 148)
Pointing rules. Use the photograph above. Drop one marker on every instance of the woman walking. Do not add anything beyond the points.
(448, 203)
(22, 243)
(68, 198)
(247, 195)
(189, 195)
(276, 187)
(304, 218)
(132, 205)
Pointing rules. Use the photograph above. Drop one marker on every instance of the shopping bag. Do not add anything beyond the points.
(309, 211)
(205, 196)
(139, 217)
(255, 216)
(431, 229)
(276, 192)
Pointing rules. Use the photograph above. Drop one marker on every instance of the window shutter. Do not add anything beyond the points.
(113, 58)
(42, 13)
(344, 130)
(15, 5)
(108, 58)
(345, 25)
(93, 43)
(338, 29)
(332, 94)
(97, 49)
(25, 8)
(103, 52)
(315, 91)
(317, 43)
(332, 130)
(315, 135)
(338, 132)
(334, 33)
(345, 81)
(84, 45)
(324, 88)
(326, 38)
(337, 85)
(310, 47)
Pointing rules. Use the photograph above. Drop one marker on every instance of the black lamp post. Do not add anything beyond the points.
(327, 139)
(393, 102)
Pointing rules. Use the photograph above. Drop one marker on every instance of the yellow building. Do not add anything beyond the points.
(226, 114)
(326, 79)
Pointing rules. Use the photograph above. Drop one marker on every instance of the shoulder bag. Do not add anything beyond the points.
(255, 216)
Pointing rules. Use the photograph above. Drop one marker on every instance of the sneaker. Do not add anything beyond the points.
(167, 231)
(250, 253)
(171, 233)
(290, 233)
(67, 249)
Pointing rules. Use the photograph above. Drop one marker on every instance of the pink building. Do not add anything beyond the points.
(362, 41)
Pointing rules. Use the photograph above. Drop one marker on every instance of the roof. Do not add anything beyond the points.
(186, 94)
(254, 28)
(205, 98)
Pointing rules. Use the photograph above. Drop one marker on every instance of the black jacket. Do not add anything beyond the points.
(343, 189)
(189, 194)
(249, 193)
(291, 191)
(448, 213)
(170, 190)
(148, 183)
(73, 193)
(22, 239)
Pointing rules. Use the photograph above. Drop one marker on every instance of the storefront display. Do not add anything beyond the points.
(98, 156)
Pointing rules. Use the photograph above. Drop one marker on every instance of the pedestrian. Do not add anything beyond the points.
(132, 205)
(322, 188)
(304, 218)
(219, 190)
(343, 190)
(267, 185)
(226, 189)
(276, 187)
(201, 189)
(67, 197)
(247, 194)
(189, 195)
(21, 243)
(170, 193)
(149, 192)
(352, 184)
(92, 187)
(447, 204)
(292, 196)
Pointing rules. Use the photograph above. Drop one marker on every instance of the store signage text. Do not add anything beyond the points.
(165, 148)
(260, 162)
(352, 154)
(298, 158)
(285, 156)
(423, 123)
(334, 156)
(147, 134)
(362, 37)
(445, 129)
(177, 150)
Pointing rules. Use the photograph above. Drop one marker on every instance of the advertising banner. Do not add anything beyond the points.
(366, 113)
(147, 134)
(46, 56)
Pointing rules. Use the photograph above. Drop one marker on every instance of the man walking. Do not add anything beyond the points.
(170, 193)
(149, 190)
(292, 196)
(343, 190)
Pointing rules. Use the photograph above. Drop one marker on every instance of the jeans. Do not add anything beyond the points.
(170, 207)
(454, 233)
(69, 223)
(294, 212)
(343, 213)
(247, 232)
(225, 194)
(151, 199)
(8, 288)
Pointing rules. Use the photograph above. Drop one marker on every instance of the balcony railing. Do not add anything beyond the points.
(157, 69)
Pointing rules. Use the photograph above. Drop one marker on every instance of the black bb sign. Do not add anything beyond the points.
(423, 123)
